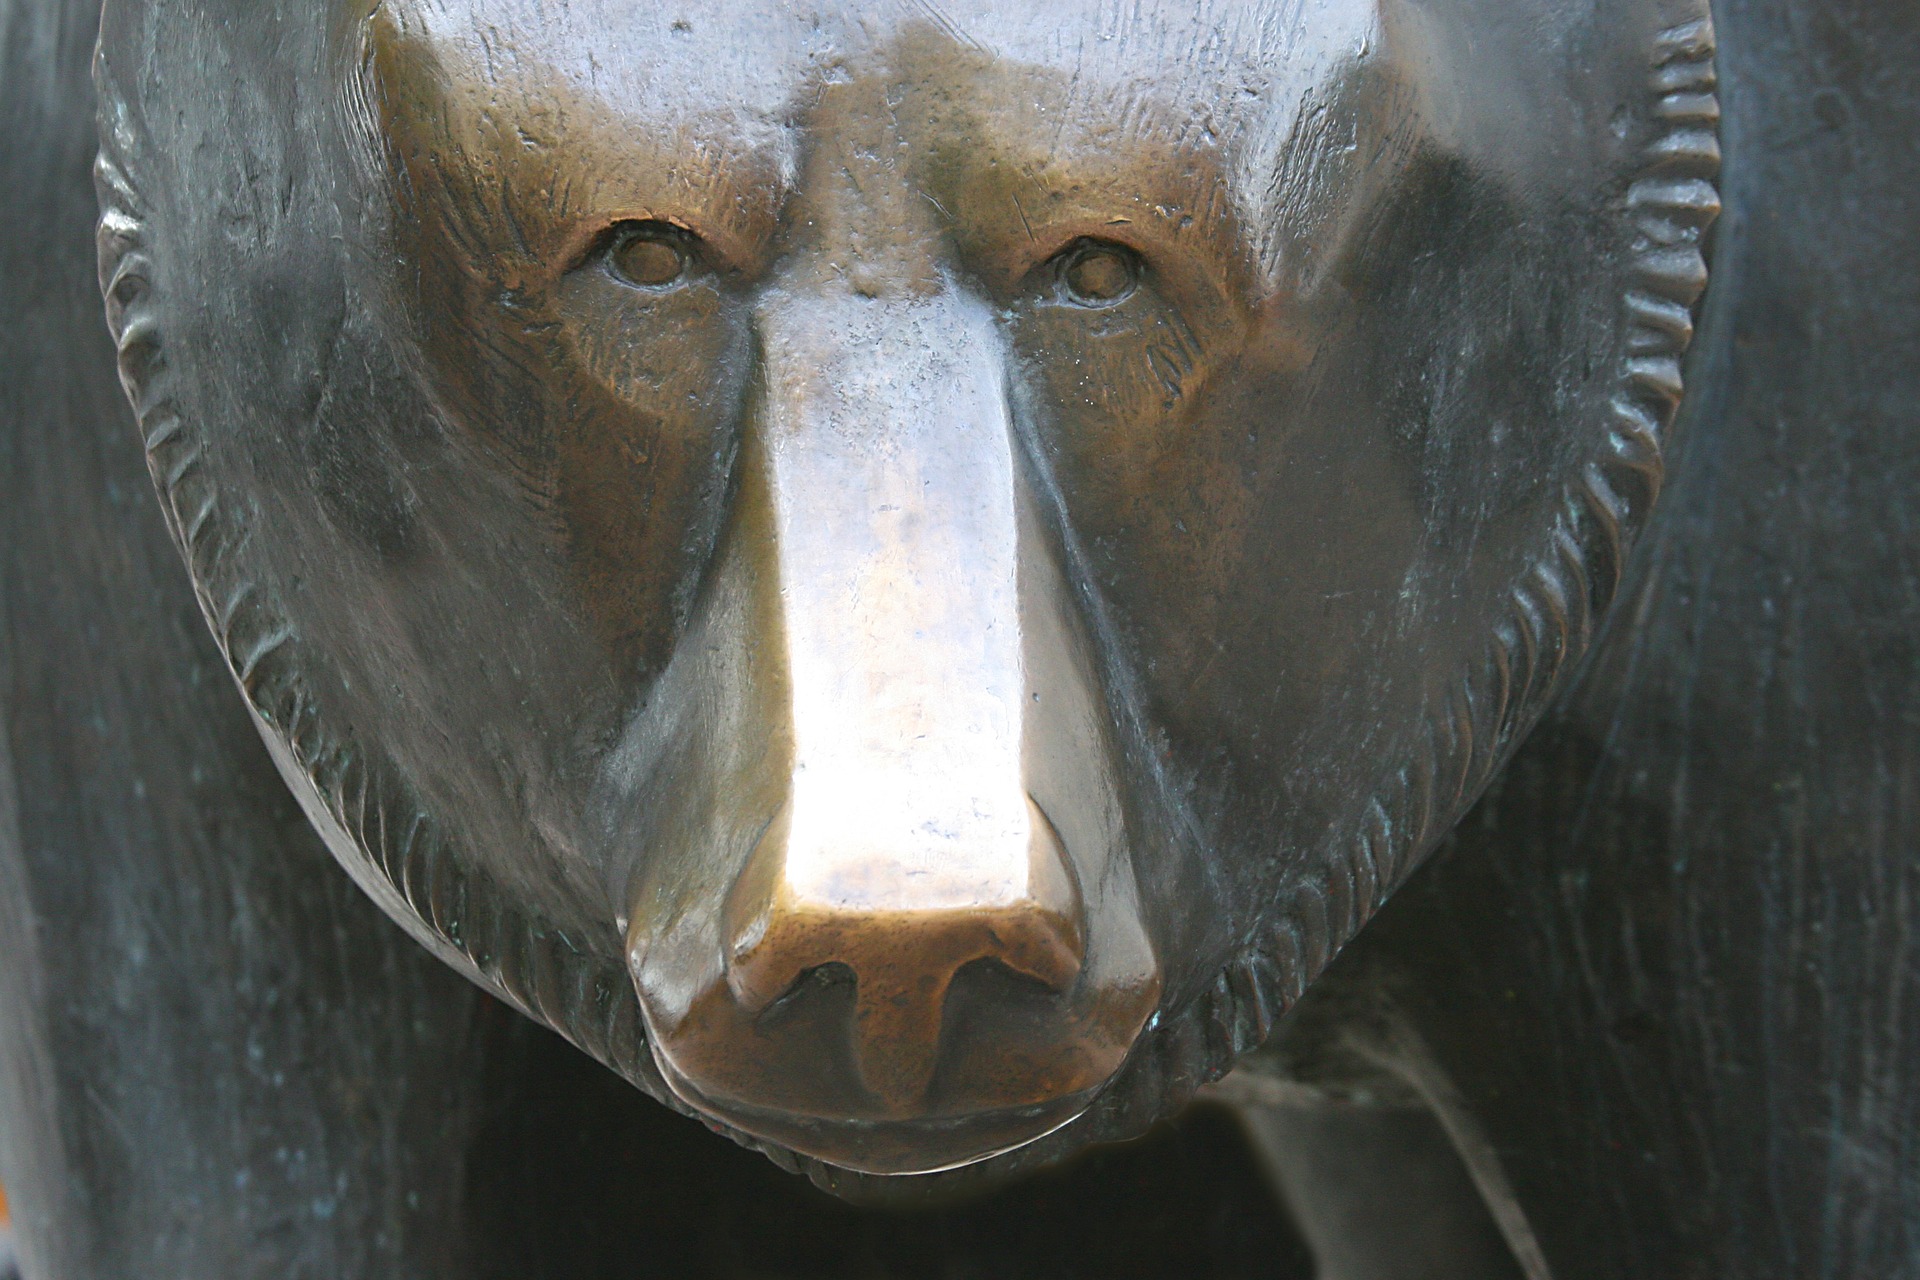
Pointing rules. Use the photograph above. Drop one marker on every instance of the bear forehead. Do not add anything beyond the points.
(709, 115)
(750, 58)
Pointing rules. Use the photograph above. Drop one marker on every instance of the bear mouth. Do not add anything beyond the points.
(893, 1147)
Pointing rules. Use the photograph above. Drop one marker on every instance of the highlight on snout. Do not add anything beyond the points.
(928, 948)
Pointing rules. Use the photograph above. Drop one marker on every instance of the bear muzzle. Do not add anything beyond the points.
(890, 918)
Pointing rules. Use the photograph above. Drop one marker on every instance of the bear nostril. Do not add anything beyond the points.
(833, 980)
(900, 966)
(899, 939)
(994, 975)
(899, 1003)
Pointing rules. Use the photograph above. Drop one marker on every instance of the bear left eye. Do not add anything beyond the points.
(653, 255)
(1098, 273)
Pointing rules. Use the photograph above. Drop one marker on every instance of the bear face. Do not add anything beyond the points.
(906, 577)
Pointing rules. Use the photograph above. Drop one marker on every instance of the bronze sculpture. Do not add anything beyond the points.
(907, 582)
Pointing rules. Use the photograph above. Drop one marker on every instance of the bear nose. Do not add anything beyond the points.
(888, 919)
(827, 903)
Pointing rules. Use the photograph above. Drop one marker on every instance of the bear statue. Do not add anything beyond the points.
(931, 583)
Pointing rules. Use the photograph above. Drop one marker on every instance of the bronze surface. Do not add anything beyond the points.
(907, 576)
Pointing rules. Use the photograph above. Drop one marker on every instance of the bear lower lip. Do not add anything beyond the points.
(1013, 1062)
(894, 1148)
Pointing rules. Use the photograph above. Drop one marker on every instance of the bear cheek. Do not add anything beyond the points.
(652, 389)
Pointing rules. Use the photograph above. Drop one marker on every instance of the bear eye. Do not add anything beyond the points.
(653, 255)
(1098, 273)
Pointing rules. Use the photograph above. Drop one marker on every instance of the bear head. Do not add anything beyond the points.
(903, 575)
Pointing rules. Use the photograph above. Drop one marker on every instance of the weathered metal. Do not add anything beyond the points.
(909, 578)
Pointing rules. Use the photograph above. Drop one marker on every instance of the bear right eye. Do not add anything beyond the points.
(1098, 273)
(652, 255)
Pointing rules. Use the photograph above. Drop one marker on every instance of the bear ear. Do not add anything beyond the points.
(1332, 115)
(156, 48)
(1394, 86)
(116, 105)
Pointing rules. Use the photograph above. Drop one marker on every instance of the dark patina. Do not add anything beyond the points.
(909, 579)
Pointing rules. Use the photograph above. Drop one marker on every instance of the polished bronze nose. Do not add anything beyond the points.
(903, 927)
(889, 920)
